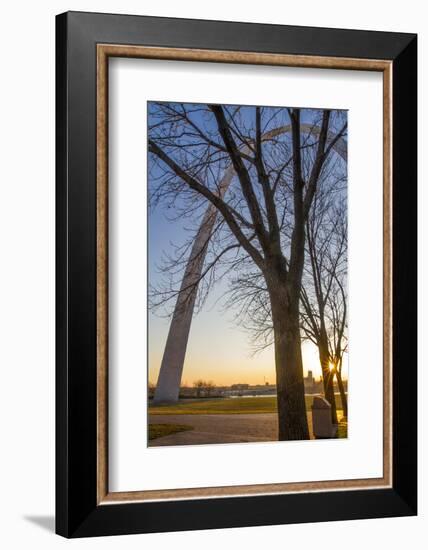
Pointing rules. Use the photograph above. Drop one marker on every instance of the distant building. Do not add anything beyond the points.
(311, 385)
(239, 386)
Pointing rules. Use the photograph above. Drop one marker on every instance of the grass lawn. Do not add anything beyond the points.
(160, 430)
(235, 405)
(342, 429)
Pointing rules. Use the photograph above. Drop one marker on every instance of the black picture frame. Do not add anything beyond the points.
(77, 511)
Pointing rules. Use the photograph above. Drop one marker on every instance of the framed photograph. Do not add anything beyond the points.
(236, 274)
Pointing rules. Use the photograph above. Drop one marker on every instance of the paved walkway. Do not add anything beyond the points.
(220, 428)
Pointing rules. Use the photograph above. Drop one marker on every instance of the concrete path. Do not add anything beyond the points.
(220, 428)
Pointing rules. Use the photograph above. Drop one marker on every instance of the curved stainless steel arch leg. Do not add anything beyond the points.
(168, 384)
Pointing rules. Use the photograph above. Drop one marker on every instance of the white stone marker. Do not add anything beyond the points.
(322, 424)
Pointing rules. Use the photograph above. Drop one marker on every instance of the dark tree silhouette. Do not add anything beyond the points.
(324, 292)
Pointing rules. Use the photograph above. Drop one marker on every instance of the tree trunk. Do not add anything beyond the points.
(292, 419)
(343, 396)
(328, 379)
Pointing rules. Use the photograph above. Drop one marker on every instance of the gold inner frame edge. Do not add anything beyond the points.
(104, 51)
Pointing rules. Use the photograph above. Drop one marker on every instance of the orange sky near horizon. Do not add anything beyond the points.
(224, 357)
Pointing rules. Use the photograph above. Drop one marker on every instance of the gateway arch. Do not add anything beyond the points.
(169, 379)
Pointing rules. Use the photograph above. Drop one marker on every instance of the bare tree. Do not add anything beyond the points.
(323, 295)
(151, 388)
(338, 335)
(323, 291)
(205, 387)
(199, 385)
(342, 391)
(261, 219)
(209, 388)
